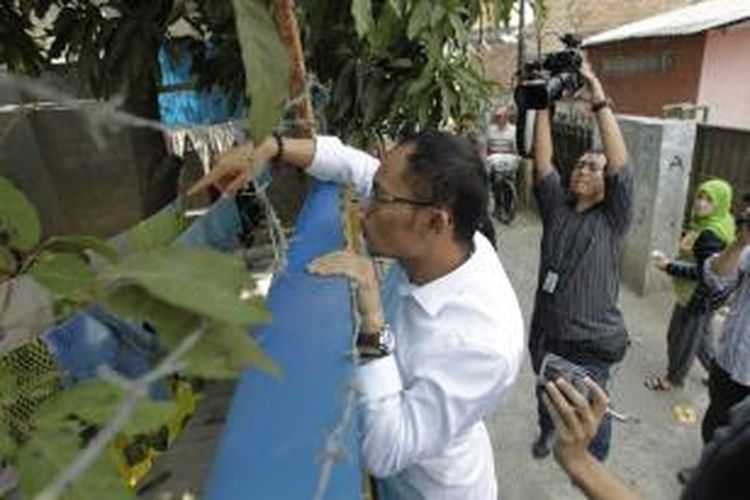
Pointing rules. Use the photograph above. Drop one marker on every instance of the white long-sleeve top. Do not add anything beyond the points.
(459, 345)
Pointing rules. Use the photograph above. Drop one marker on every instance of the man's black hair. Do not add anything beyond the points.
(598, 151)
(448, 171)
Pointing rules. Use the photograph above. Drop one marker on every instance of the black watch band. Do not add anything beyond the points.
(599, 105)
(279, 148)
(377, 344)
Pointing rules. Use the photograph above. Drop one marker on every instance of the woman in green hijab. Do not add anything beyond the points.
(710, 230)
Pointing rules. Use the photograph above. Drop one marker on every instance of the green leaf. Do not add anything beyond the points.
(397, 6)
(266, 66)
(159, 230)
(459, 29)
(134, 302)
(386, 32)
(419, 19)
(203, 282)
(96, 402)
(225, 352)
(436, 14)
(362, 14)
(8, 262)
(402, 63)
(80, 244)
(424, 80)
(503, 10)
(64, 274)
(51, 450)
(8, 445)
(19, 222)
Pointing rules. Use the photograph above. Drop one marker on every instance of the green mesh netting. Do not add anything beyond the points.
(29, 376)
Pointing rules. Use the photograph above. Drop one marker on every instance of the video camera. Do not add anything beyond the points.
(544, 81)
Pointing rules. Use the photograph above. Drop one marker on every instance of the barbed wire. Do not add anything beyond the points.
(102, 117)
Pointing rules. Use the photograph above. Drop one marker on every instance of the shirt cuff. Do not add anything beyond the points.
(325, 160)
(378, 378)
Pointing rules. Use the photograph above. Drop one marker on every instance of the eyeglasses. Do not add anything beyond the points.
(384, 198)
(591, 166)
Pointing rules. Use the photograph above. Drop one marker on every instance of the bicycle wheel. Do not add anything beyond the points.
(506, 200)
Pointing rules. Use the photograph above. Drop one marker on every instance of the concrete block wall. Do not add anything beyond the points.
(75, 186)
(661, 153)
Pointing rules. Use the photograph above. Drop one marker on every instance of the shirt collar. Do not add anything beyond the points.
(433, 296)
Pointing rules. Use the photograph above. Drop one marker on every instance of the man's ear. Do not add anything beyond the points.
(441, 220)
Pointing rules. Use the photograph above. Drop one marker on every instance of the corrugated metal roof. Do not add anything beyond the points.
(685, 21)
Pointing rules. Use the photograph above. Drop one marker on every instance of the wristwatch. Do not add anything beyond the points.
(376, 344)
(599, 105)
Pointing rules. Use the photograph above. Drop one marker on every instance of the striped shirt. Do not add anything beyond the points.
(580, 256)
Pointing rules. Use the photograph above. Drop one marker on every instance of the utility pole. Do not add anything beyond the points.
(521, 24)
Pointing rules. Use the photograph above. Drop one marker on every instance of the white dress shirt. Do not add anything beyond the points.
(459, 345)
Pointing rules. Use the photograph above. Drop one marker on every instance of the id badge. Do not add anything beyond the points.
(550, 282)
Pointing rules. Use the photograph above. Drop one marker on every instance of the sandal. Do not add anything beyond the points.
(658, 384)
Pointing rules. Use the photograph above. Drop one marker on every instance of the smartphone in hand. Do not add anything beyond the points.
(555, 367)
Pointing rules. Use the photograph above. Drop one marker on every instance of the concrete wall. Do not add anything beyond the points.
(661, 153)
(724, 85)
(76, 187)
(642, 76)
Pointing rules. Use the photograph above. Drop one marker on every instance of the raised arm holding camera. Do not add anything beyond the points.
(575, 313)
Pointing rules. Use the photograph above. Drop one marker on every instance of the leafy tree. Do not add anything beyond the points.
(176, 290)
(390, 66)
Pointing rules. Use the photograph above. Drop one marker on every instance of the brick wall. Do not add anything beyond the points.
(635, 81)
(585, 17)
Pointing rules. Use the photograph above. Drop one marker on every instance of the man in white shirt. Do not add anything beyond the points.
(455, 319)
(501, 134)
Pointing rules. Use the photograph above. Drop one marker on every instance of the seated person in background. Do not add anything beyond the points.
(501, 134)
(501, 142)
(455, 319)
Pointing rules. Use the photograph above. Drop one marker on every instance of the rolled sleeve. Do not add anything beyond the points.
(549, 193)
(336, 162)
(378, 378)
(618, 202)
(723, 282)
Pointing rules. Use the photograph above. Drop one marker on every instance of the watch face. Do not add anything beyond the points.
(387, 341)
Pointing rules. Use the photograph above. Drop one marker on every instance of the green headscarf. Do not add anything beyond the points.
(719, 221)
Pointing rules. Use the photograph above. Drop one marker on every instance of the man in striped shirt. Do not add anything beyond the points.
(575, 312)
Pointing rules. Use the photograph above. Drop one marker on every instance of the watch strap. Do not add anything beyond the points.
(599, 105)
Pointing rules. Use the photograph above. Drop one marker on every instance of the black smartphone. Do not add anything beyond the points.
(555, 367)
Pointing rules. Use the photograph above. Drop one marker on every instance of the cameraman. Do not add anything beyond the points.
(575, 312)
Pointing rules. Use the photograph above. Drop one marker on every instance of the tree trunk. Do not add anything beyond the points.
(291, 185)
